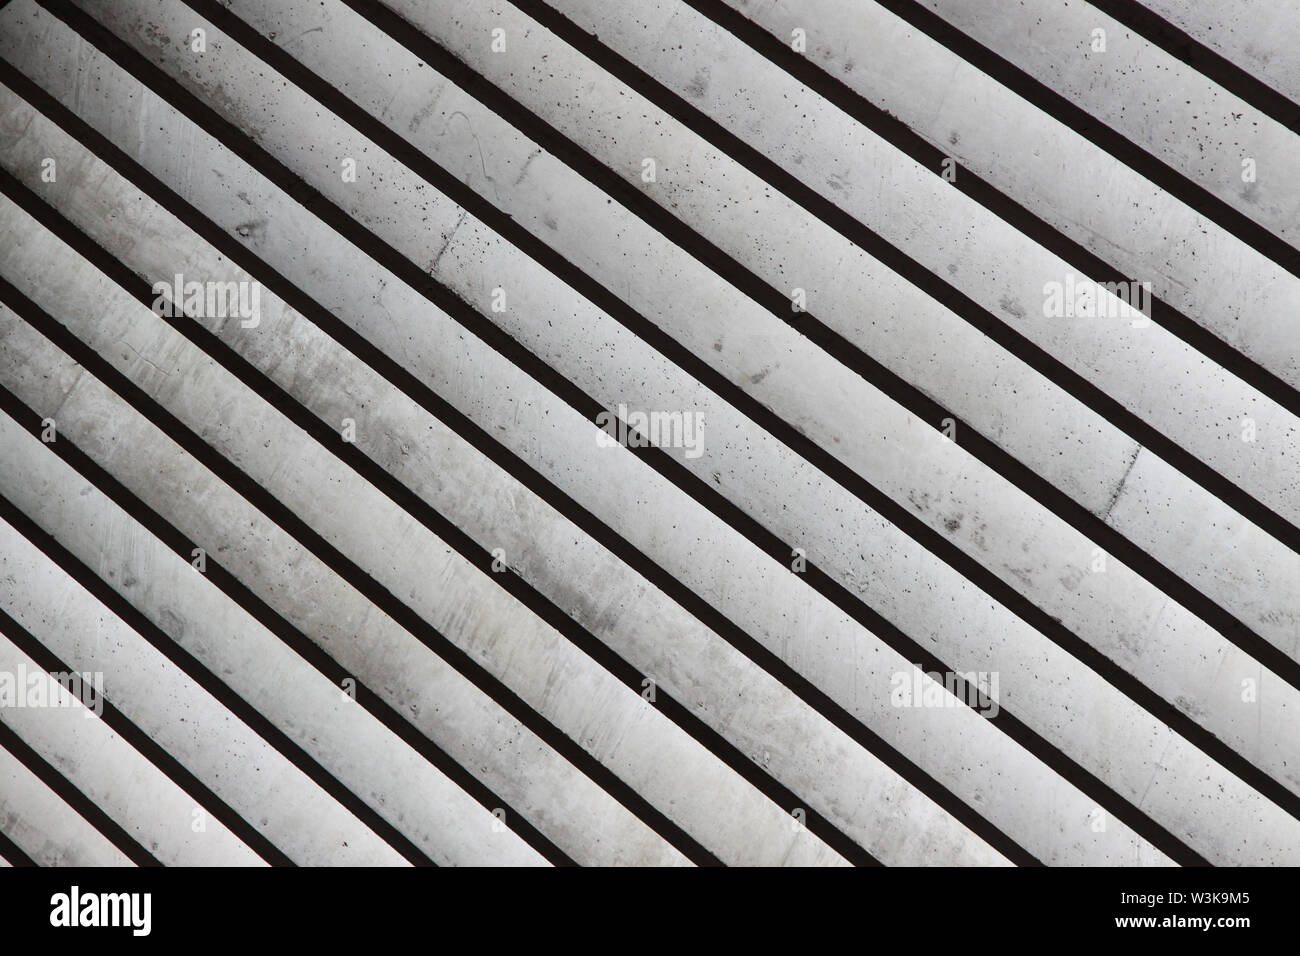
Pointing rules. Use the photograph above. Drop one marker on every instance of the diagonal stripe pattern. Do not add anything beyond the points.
(689, 432)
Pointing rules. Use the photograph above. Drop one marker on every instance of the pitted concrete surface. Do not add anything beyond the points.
(372, 579)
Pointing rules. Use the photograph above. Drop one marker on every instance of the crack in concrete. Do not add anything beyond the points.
(527, 162)
(1119, 488)
(1160, 765)
(163, 372)
(447, 242)
(301, 35)
(67, 394)
(482, 162)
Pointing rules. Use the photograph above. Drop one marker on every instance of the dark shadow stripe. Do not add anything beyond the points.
(193, 787)
(901, 136)
(1181, 45)
(11, 851)
(234, 589)
(412, 275)
(285, 518)
(180, 657)
(90, 811)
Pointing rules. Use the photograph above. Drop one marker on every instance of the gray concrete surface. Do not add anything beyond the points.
(758, 605)
(1185, 797)
(400, 433)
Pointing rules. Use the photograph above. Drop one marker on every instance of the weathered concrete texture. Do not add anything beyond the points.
(532, 658)
(317, 715)
(762, 598)
(1251, 555)
(1053, 172)
(583, 819)
(1254, 36)
(349, 538)
(1150, 96)
(241, 768)
(43, 826)
(651, 630)
(138, 454)
(937, 479)
(420, 800)
(108, 770)
(1157, 376)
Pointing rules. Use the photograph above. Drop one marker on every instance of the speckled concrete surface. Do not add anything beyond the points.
(1251, 35)
(1061, 176)
(118, 778)
(1149, 95)
(758, 603)
(773, 584)
(398, 435)
(188, 722)
(544, 669)
(44, 827)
